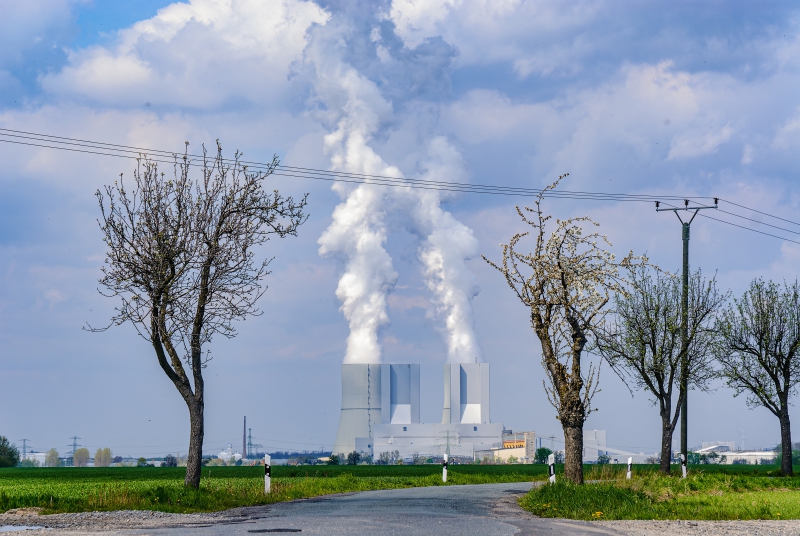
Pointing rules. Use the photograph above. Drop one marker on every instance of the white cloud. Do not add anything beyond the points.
(699, 143)
(644, 113)
(788, 135)
(497, 30)
(197, 54)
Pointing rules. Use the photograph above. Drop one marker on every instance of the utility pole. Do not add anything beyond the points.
(24, 449)
(74, 444)
(684, 379)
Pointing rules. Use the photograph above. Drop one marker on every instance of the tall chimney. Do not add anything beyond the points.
(244, 439)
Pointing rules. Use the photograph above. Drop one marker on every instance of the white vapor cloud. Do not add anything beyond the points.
(358, 230)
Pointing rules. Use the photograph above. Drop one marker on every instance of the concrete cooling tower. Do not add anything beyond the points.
(375, 394)
(466, 393)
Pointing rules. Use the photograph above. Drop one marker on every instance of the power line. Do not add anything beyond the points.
(133, 152)
(169, 157)
(749, 229)
(746, 228)
(759, 212)
(760, 222)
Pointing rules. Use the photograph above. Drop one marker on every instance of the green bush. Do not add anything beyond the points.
(9, 455)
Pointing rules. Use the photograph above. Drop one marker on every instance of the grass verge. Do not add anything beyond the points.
(703, 495)
(90, 489)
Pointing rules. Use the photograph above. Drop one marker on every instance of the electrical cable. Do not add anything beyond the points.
(749, 229)
(759, 222)
(132, 152)
(758, 211)
(318, 174)
(737, 225)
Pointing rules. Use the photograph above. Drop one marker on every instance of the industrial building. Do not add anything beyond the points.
(380, 412)
(729, 455)
(520, 446)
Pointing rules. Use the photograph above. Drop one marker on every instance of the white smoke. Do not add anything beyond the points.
(358, 230)
(355, 107)
(446, 246)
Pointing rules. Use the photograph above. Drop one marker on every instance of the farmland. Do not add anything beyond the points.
(162, 489)
(710, 492)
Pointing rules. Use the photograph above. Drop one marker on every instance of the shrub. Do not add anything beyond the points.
(541, 455)
(9, 455)
(334, 459)
(353, 458)
(170, 461)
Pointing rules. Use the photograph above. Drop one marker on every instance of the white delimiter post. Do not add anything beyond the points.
(551, 461)
(683, 465)
(628, 476)
(267, 477)
(444, 468)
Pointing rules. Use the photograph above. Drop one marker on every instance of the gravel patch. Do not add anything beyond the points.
(704, 528)
(115, 520)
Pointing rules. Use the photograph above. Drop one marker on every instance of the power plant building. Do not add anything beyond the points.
(380, 412)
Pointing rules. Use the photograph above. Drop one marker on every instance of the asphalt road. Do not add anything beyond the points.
(486, 510)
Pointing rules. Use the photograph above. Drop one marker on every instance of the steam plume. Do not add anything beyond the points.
(357, 234)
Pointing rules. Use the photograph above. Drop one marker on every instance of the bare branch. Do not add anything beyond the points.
(181, 259)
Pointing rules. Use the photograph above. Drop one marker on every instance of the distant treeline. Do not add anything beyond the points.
(282, 455)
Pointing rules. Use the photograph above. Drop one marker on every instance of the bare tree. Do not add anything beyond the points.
(643, 341)
(181, 258)
(759, 351)
(565, 282)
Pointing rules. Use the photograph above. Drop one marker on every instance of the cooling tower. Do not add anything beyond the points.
(361, 405)
(400, 394)
(466, 393)
(375, 394)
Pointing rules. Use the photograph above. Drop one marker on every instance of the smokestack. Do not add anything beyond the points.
(244, 438)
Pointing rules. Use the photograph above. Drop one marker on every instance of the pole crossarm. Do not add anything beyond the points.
(686, 208)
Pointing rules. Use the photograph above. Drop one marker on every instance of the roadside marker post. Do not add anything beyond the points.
(444, 468)
(267, 476)
(628, 476)
(551, 461)
(683, 465)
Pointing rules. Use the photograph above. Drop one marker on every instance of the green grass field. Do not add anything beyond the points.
(88, 489)
(708, 493)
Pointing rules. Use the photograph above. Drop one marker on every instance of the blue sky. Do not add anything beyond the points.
(675, 98)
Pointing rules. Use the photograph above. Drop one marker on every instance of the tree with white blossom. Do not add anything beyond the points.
(566, 282)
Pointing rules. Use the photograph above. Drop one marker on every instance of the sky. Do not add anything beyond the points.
(659, 98)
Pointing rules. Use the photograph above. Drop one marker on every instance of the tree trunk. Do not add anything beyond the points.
(666, 444)
(194, 460)
(786, 439)
(573, 453)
